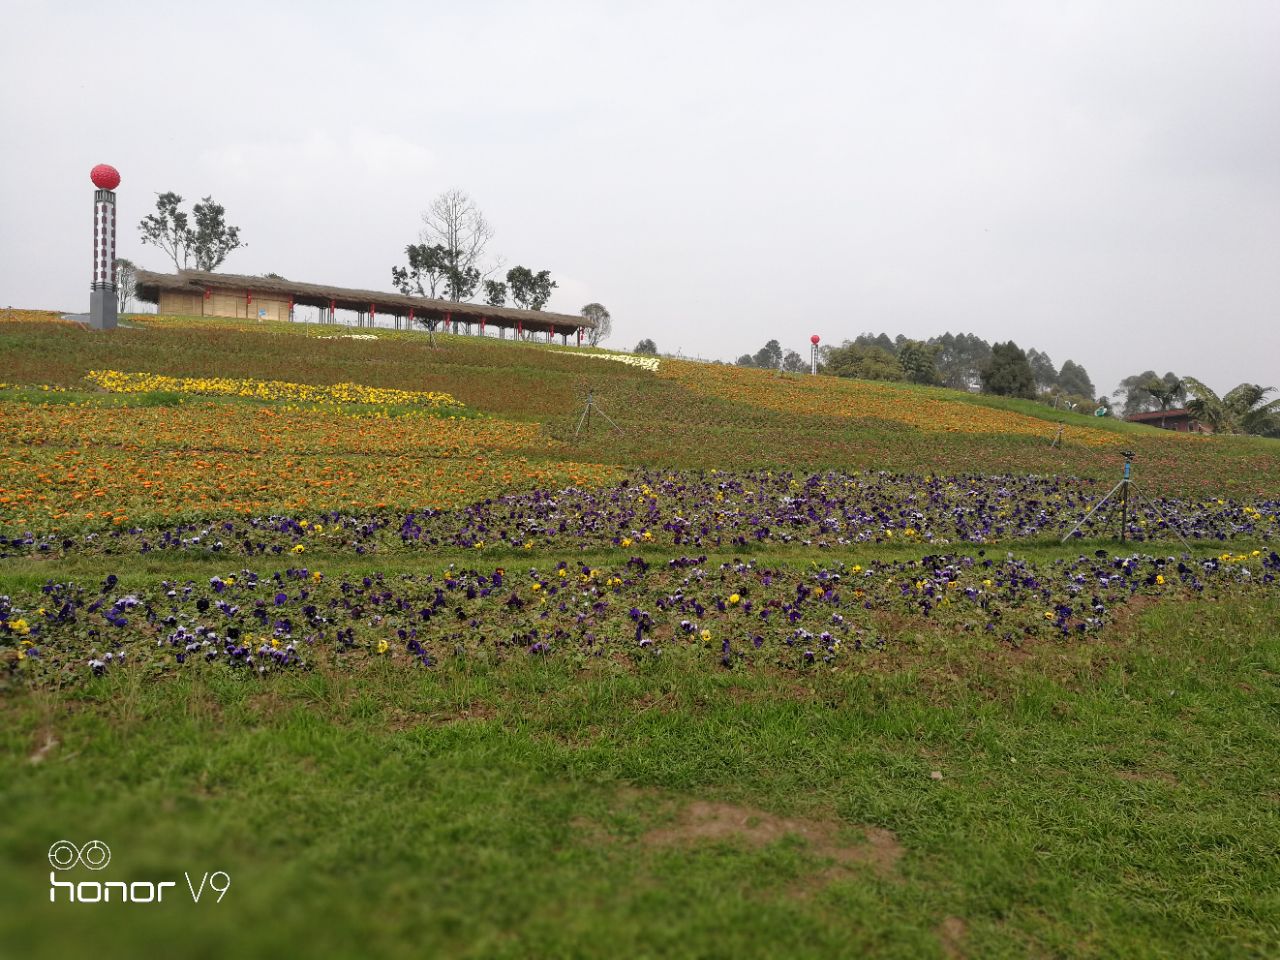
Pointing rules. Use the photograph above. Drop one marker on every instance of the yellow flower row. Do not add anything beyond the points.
(115, 381)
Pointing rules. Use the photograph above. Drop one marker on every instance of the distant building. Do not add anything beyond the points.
(1179, 420)
(202, 294)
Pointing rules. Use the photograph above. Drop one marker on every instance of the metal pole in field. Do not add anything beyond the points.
(102, 291)
(1124, 498)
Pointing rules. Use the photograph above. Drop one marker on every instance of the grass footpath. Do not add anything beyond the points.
(1113, 797)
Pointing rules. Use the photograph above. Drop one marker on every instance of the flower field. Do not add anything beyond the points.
(67, 467)
(116, 382)
(739, 613)
(716, 510)
(795, 664)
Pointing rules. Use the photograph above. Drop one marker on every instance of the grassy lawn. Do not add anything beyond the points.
(1116, 797)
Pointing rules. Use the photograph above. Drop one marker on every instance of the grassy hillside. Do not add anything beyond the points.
(683, 416)
(790, 666)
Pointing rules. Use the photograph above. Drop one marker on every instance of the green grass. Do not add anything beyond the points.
(1108, 796)
(1112, 798)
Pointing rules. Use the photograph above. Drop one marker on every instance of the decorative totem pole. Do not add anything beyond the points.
(102, 296)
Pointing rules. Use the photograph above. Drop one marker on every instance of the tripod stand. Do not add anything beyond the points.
(586, 415)
(1120, 494)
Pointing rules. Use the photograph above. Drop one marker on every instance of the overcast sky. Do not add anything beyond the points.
(1100, 180)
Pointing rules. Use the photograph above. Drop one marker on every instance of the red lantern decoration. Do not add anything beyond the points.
(105, 176)
(814, 339)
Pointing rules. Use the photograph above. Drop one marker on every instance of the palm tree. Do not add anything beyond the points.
(1142, 391)
(1240, 410)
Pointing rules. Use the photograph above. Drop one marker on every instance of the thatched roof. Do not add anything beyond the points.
(150, 284)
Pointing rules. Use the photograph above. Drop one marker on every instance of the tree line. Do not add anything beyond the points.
(965, 361)
(448, 262)
(961, 361)
(1242, 409)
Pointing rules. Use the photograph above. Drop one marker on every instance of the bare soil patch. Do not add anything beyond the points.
(951, 933)
(1147, 776)
(703, 821)
(47, 742)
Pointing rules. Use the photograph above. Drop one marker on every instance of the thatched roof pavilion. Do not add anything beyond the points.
(201, 293)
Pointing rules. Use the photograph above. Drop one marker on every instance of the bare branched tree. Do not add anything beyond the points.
(126, 283)
(454, 222)
(603, 323)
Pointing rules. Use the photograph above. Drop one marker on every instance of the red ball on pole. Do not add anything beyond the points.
(814, 339)
(105, 176)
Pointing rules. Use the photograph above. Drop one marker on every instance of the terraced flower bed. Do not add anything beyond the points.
(713, 510)
(740, 613)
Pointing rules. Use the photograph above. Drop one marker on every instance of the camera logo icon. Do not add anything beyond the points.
(94, 855)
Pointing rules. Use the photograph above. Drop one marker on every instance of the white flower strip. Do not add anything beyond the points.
(644, 363)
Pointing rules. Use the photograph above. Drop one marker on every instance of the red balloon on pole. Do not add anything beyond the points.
(105, 176)
(814, 339)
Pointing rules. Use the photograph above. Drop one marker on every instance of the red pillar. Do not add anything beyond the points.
(411, 318)
(519, 329)
(290, 308)
(373, 315)
(482, 326)
(333, 306)
(551, 333)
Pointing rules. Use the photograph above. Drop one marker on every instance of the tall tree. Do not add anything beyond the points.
(1167, 391)
(214, 237)
(646, 347)
(495, 293)
(745, 361)
(1073, 379)
(1240, 410)
(1148, 391)
(603, 321)
(454, 222)
(862, 362)
(917, 361)
(126, 283)
(769, 357)
(529, 290)
(1007, 373)
(1042, 369)
(792, 362)
(880, 340)
(960, 359)
(169, 229)
(426, 273)
(460, 281)
(208, 244)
